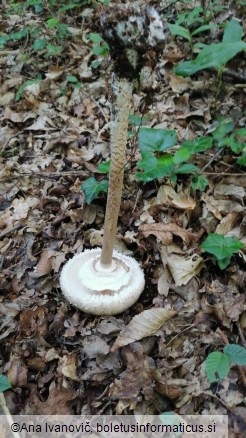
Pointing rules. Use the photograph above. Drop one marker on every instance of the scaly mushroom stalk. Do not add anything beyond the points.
(118, 137)
(105, 282)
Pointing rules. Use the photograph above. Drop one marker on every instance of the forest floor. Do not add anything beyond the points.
(54, 133)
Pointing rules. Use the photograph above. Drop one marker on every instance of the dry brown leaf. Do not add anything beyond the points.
(183, 268)
(143, 325)
(44, 265)
(69, 366)
(166, 195)
(164, 232)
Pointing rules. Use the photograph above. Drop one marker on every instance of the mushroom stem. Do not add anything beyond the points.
(122, 91)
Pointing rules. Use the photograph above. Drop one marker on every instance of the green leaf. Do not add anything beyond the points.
(71, 78)
(233, 32)
(213, 55)
(233, 143)
(241, 132)
(16, 36)
(224, 128)
(92, 188)
(186, 168)
(39, 44)
(222, 248)
(242, 160)
(52, 22)
(203, 28)
(53, 50)
(104, 167)
(136, 119)
(4, 383)
(95, 37)
(175, 29)
(236, 353)
(217, 366)
(199, 182)
(95, 63)
(181, 155)
(155, 140)
(100, 50)
(198, 145)
(154, 168)
(4, 39)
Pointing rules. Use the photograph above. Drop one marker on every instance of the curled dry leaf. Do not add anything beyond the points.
(166, 195)
(164, 232)
(183, 268)
(143, 325)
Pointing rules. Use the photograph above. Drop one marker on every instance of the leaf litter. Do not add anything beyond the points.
(53, 137)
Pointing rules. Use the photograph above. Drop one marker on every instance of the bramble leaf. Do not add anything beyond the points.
(217, 366)
(236, 353)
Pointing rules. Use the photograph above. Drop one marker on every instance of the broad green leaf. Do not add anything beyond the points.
(155, 168)
(203, 28)
(52, 22)
(95, 37)
(72, 78)
(241, 132)
(233, 143)
(181, 155)
(224, 128)
(223, 263)
(4, 39)
(137, 120)
(95, 63)
(199, 182)
(4, 383)
(186, 168)
(198, 145)
(104, 167)
(175, 29)
(16, 36)
(242, 160)
(100, 50)
(233, 32)
(155, 140)
(92, 188)
(236, 353)
(214, 55)
(39, 44)
(222, 248)
(53, 50)
(217, 366)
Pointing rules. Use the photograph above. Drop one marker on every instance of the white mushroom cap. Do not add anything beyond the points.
(101, 290)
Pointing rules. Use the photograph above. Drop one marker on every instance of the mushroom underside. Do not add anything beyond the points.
(98, 289)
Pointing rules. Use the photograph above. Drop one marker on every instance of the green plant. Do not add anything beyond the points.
(222, 248)
(215, 55)
(156, 164)
(217, 364)
(100, 48)
(92, 188)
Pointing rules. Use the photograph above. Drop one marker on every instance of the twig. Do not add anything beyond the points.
(235, 75)
(46, 175)
(212, 159)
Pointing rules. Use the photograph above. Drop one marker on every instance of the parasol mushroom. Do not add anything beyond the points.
(103, 281)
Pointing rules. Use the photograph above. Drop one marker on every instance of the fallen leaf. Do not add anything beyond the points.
(167, 196)
(164, 233)
(142, 325)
